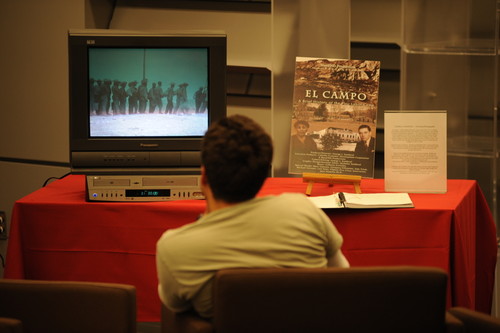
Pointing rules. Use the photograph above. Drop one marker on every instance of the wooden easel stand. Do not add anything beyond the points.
(312, 178)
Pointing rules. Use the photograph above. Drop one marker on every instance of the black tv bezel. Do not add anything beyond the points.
(91, 153)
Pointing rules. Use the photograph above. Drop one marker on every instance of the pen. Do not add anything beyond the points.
(342, 198)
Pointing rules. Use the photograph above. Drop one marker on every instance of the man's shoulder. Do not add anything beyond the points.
(372, 142)
(292, 196)
(178, 233)
(175, 243)
(285, 197)
(290, 201)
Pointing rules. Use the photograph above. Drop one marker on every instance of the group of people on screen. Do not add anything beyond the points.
(112, 97)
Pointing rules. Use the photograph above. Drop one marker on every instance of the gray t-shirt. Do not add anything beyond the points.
(274, 231)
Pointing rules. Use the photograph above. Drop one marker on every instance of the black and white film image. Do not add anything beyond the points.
(148, 92)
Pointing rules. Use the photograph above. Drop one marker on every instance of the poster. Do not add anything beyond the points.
(415, 151)
(333, 127)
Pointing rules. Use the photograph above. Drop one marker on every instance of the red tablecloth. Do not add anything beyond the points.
(56, 235)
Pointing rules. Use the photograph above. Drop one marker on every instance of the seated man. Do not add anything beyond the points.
(239, 230)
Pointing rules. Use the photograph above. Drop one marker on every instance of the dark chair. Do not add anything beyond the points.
(360, 299)
(476, 322)
(62, 307)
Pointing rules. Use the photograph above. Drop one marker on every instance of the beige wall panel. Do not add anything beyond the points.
(34, 85)
(312, 28)
(248, 33)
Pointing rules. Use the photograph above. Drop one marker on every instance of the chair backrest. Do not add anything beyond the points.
(57, 306)
(9, 325)
(358, 299)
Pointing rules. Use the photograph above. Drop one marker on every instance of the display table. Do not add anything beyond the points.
(56, 235)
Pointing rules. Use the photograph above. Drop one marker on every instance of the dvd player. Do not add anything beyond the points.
(142, 188)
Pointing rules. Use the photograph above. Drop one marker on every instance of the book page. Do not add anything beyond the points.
(327, 201)
(377, 200)
(415, 151)
(363, 200)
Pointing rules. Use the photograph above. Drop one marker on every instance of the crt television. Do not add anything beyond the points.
(141, 102)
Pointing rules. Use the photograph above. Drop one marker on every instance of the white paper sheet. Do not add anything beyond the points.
(415, 151)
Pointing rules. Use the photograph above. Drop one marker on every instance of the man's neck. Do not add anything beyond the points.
(214, 204)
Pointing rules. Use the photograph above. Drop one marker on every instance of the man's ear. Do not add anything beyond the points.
(203, 179)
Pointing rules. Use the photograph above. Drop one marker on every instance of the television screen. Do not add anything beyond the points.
(148, 92)
(140, 102)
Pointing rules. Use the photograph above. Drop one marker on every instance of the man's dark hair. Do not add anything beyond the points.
(236, 153)
(301, 122)
(365, 126)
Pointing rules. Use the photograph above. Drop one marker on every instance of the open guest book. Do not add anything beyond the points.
(363, 200)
